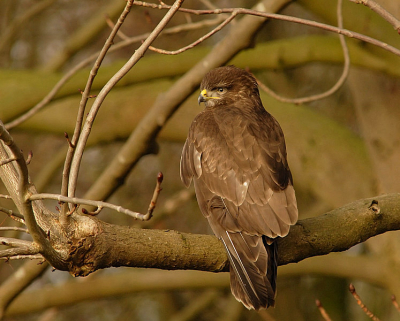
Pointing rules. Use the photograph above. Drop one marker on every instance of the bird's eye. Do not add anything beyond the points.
(221, 90)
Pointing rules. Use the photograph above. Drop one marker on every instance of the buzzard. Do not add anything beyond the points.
(235, 152)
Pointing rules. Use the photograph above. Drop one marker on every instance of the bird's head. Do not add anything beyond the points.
(226, 85)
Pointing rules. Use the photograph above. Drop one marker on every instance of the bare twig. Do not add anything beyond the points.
(66, 187)
(394, 301)
(352, 290)
(139, 38)
(120, 34)
(19, 251)
(82, 201)
(6, 161)
(376, 7)
(49, 97)
(345, 32)
(29, 158)
(93, 213)
(100, 204)
(321, 309)
(22, 257)
(14, 228)
(198, 41)
(335, 87)
(6, 196)
(77, 157)
(15, 242)
(171, 205)
(15, 216)
(138, 144)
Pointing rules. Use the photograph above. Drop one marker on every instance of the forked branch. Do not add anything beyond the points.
(100, 204)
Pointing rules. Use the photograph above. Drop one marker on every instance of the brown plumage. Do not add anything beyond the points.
(236, 154)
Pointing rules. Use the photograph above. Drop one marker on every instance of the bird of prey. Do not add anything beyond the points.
(236, 154)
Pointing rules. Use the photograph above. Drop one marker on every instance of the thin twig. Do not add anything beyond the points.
(49, 97)
(68, 188)
(77, 157)
(394, 301)
(32, 249)
(100, 204)
(335, 87)
(323, 26)
(376, 7)
(15, 216)
(93, 213)
(15, 242)
(29, 158)
(352, 290)
(6, 161)
(14, 228)
(321, 309)
(171, 205)
(180, 28)
(198, 41)
(22, 257)
(120, 34)
(6, 196)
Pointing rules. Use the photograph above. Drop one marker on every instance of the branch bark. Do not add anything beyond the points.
(112, 245)
(380, 272)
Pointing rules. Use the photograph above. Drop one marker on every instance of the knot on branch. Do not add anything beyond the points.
(80, 261)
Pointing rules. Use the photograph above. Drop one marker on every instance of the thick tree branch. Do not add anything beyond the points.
(380, 272)
(17, 173)
(341, 228)
(335, 231)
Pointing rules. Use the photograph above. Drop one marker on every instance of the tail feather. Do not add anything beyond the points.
(253, 269)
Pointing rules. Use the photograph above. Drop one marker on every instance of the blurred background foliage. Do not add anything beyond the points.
(342, 148)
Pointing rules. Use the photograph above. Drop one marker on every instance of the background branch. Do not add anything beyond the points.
(81, 143)
(141, 141)
(335, 231)
(345, 32)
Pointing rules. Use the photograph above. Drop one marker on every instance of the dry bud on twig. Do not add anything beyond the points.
(352, 290)
(394, 301)
(322, 310)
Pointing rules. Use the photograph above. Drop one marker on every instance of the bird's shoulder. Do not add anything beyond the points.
(233, 125)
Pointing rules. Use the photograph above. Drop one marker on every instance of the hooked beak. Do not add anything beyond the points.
(202, 97)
